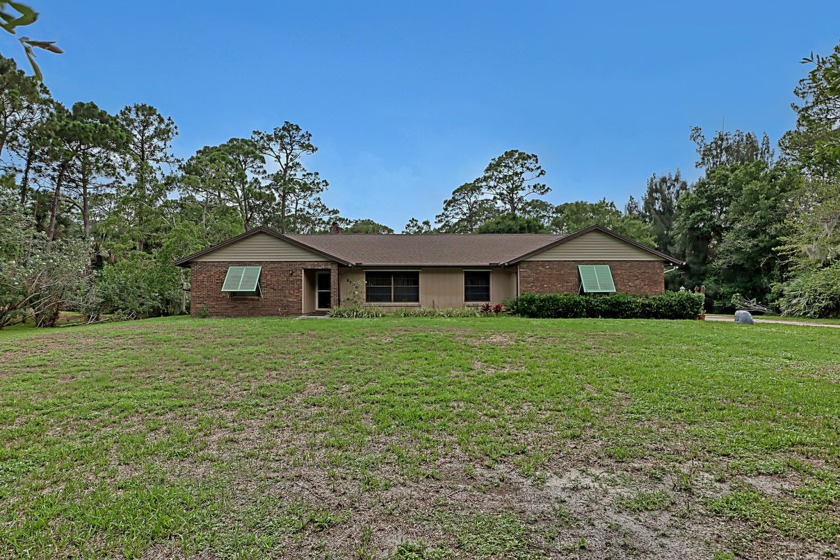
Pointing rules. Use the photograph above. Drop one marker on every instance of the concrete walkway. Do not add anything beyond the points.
(759, 320)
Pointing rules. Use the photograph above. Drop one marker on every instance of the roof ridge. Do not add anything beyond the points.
(444, 249)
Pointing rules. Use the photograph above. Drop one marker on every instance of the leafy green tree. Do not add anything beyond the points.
(812, 293)
(728, 225)
(509, 223)
(659, 208)
(296, 189)
(511, 178)
(16, 230)
(311, 215)
(540, 210)
(813, 240)
(731, 148)
(467, 208)
(20, 96)
(36, 275)
(368, 226)
(632, 207)
(812, 246)
(79, 145)
(137, 287)
(738, 167)
(228, 175)
(574, 216)
(27, 146)
(144, 162)
(746, 261)
(214, 221)
(815, 143)
(58, 142)
(416, 227)
(96, 137)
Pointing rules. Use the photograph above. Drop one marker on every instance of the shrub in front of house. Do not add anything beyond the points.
(356, 312)
(369, 312)
(670, 305)
(450, 312)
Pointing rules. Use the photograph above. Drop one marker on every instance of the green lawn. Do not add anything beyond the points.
(420, 438)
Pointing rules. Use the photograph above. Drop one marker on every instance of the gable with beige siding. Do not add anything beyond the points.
(260, 247)
(594, 245)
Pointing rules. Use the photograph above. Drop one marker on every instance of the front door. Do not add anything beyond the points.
(323, 290)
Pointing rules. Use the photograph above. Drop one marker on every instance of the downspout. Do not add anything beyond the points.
(517, 280)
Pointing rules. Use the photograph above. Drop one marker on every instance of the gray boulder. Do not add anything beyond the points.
(744, 318)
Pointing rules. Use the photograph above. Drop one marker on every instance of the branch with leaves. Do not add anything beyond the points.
(14, 15)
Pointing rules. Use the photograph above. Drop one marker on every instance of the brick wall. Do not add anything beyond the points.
(281, 288)
(554, 277)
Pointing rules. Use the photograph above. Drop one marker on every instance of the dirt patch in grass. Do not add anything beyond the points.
(495, 339)
(770, 485)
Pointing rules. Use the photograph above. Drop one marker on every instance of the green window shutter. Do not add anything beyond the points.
(605, 279)
(588, 279)
(596, 278)
(250, 278)
(233, 279)
(242, 279)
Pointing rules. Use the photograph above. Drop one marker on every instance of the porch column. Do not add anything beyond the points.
(334, 284)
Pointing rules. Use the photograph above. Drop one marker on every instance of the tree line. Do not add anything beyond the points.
(757, 229)
(94, 206)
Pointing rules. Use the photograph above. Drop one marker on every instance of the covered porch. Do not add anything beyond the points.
(320, 290)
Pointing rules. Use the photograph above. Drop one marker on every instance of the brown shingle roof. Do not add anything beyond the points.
(426, 250)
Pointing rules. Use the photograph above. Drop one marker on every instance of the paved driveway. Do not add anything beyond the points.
(731, 318)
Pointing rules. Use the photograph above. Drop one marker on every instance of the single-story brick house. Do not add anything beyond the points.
(263, 272)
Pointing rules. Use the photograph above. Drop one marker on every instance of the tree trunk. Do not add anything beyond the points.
(283, 212)
(85, 211)
(24, 183)
(246, 211)
(141, 188)
(56, 196)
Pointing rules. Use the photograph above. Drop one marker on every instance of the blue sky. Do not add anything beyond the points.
(408, 100)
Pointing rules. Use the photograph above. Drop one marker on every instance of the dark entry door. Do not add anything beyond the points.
(323, 291)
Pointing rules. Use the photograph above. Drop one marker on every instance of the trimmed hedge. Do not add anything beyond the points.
(670, 305)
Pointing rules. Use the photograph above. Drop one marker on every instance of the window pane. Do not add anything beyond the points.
(324, 300)
(477, 294)
(402, 286)
(378, 279)
(407, 294)
(323, 280)
(407, 279)
(477, 286)
(255, 293)
(377, 294)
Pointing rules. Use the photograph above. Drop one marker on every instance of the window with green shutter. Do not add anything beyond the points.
(596, 278)
(242, 281)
